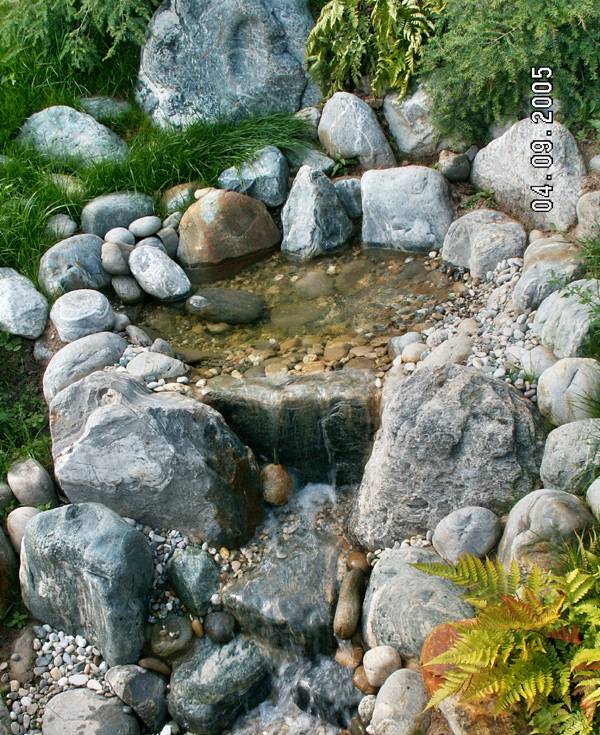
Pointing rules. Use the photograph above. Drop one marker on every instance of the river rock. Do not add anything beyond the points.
(472, 438)
(137, 336)
(115, 258)
(471, 530)
(82, 312)
(158, 275)
(104, 108)
(397, 344)
(314, 221)
(170, 639)
(215, 682)
(31, 483)
(81, 358)
(406, 209)
(143, 690)
(324, 688)
(313, 158)
(17, 522)
(539, 525)
(504, 166)
(277, 484)
(534, 361)
(379, 663)
(109, 211)
(225, 61)
(290, 602)
(184, 468)
(481, 239)
(61, 133)
(229, 305)
(195, 577)
(349, 194)
(565, 390)
(23, 310)
(347, 612)
(61, 226)
(410, 123)
(402, 605)
(9, 567)
(264, 177)
(219, 626)
(572, 456)
(154, 363)
(349, 129)
(83, 569)
(588, 216)
(146, 226)
(455, 349)
(400, 705)
(127, 289)
(223, 229)
(320, 425)
(6, 496)
(454, 166)
(81, 710)
(72, 264)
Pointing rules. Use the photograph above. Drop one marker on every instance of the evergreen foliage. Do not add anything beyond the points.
(381, 39)
(535, 642)
(478, 64)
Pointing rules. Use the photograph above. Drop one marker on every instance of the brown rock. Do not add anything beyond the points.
(222, 232)
(361, 682)
(347, 612)
(357, 560)
(437, 642)
(277, 483)
(155, 664)
(197, 628)
(171, 638)
(476, 718)
(178, 197)
(349, 656)
(333, 353)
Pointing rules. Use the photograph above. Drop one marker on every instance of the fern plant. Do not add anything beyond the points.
(381, 39)
(534, 643)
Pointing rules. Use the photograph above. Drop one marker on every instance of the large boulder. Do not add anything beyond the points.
(264, 177)
(158, 275)
(119, 209)
(80, 710)
(314, 220)
(215, 682)
(349, 129)
(567, 391)
(320, 425)
(222, 232)
(79, 313)
(65, 134)
(72, 264)
(571, 456)
(289, 601)
(225, 60)
(411, 124)
(23, 310)
(481, 239)
(402, 605)
(406, 209)
(451, 437)
(85, 570)
(8, 573)
(504, 166)
(172, 463)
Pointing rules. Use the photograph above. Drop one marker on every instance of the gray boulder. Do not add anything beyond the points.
(81, 358)
(115, 258)
(588, 216)
(72, 264)
(289, 603)
(410, 122)
(31, 483)
(313, 158)
(533, 361)
(320, 425)
(470, 530)
(143, 690)
(264, 177)
(215, 682)
(402, 605)
(566, 391)
(154, 363)
(104, 108)
(314, 221)
(454, 166)
(79, 313)
(324, 688)
(400, 705)
(349, 194)
(17, 522)
(195, 577)
(109, 211)
(23, 310)
(571, 456)
(81, 710)
(504, 166)
(173, 462)
(225, 60)
(563, 323)
(158, 275)
(349, 129)
(84, 569)
(539, 525)
(63, 134)
(451, 437)
(406, 209)
(481, 239)
(229, 305)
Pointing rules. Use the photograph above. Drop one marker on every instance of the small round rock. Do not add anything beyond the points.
(220, 626)
(379, 663)
(145, 226)
(278, 486)
(472, 530)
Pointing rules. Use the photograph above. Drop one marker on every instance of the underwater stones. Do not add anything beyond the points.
(23, 310)
(229, 305)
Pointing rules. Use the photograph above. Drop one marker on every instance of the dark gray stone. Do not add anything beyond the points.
(454, 166)
(23, 310)
(225, 60)
(349, 194)
(226, 305)
(451, 437)
(72, 264)
(173, 462)
(9, 567)
(82, 711)
(214, 683)
(195, 577)
(127, 289)
(114, 210)
(143, 690)
(5, 720)
(104, 108)
(220, 626)
(325, 689)
(470, 530)
(85, 570)
(79, 313)
(265, 177)
(402, 605)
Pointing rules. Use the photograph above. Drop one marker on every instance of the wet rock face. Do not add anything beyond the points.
(173, 463)
(451, 437)
(325, 689)
(320, 425)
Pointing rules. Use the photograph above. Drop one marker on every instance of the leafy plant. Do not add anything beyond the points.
(380, 39)
(17, 619)
(342, 166)
(484, 196)
(478, 63)
(535, 642)
(10, 342)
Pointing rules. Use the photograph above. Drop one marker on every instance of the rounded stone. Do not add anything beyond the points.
(349, 606)
(16, 523)
(120, 235)
(472, 530)
(82, 312)
(158, 275)
(145, 226)
(357, 560)
(454, 166)
(220, 626)
(379, 663)
(113, 260)
(314, 285)
(72, 264)
(171, 638)
(6, 495)
(361, 682)
(366, 707)
(400, 706)
(413, 351)
(277, 484)
(127, 289)
(592, 498)
(153, 242)
(81, 710)
(31, 483)
(23, 310)
(566, 391)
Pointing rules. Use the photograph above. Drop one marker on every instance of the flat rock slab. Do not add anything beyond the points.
(228, 305)
(82, 711)
(120, 209)
(72, 264)
(23, 310)
(451, 437)
(85, 570)
(173, 462)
